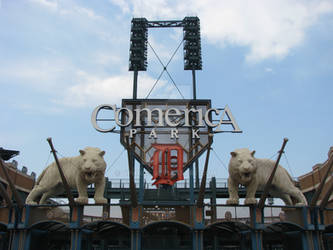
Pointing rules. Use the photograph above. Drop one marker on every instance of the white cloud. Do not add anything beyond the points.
(53, 5)
(65, 8)
(269, 28)
(124, 5)
(106, 58)
(88, 13)
(40, 73)
(269, 70)
(92, 90)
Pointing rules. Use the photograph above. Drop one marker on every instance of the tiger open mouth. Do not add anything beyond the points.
(247, 174)
(89, 174)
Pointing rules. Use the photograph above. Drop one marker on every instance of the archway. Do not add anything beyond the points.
(167, 235)
(227, 235)
(50, 235)
(106, 235)
(3, 236)
(328, 237)
(283, 235)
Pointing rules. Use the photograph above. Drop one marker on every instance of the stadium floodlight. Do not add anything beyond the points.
(138, 47)
(192, 44)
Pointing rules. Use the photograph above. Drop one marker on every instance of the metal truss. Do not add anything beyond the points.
(165, 24)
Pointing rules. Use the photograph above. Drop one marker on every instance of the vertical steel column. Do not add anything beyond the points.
(194, 98)
(142, 187)
(191, 184)
(135, 84)
(76, 214)
(213, 200)
(135, 239)
(256, 233)
(197, 240)
(194, 85)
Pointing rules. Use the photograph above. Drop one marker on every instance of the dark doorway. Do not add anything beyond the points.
(167, 235)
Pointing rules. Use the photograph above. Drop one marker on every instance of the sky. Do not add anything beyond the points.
(269, 61)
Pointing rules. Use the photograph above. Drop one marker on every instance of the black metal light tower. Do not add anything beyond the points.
(192, 47)
(137, 62)
(192, 58)
(138, 49)
(139, 40)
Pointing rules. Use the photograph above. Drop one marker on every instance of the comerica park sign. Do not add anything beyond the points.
(165, 136)
(171, 116)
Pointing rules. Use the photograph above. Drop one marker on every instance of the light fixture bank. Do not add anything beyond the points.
(171, 117)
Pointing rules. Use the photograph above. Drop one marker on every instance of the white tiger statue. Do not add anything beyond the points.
(254, 173)
(80, 171)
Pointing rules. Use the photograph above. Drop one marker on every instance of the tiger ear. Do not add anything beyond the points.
(253, 152)
(102, 153)
(233, 154)
(82, 152)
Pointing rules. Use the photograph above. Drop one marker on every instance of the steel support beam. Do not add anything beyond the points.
(326, 197)
(269, 182)
(201, 194)
(63, 178)
(131, 160)
(11, 185)
(165, 24)
(322, 183)
(4, 194)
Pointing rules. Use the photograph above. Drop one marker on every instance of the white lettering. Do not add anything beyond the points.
(152, 134)
(231, 121)
(95, 114)
(195, 134)
(129, 119)
(149, 117)
(187, 117)
(207, 117)
(133, 131)
(174, 133)
(173, 117)
(174, 113)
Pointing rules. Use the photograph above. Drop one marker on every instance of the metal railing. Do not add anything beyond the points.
(148, 184)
